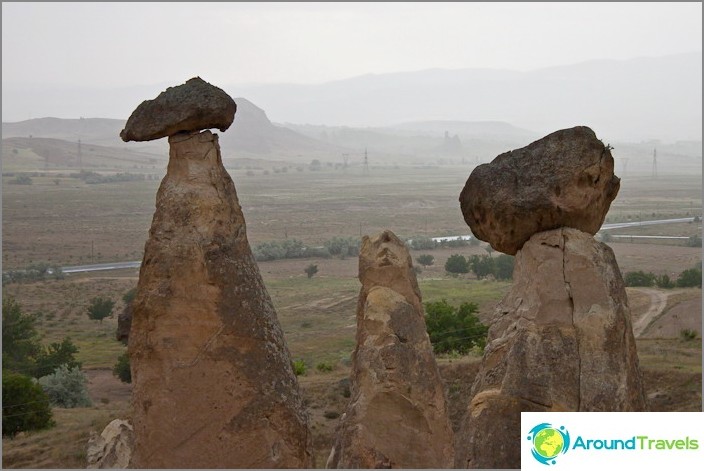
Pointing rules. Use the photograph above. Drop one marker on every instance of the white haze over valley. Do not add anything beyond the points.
(631, 71)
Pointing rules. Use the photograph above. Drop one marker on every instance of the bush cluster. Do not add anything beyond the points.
(293, 248)
(26, 405)
(691, 278)
(35, 272)
(501, 267)
(454, 329)
(66, 387)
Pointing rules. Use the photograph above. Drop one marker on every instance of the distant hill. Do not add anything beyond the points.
(251, 134)
(637, 99)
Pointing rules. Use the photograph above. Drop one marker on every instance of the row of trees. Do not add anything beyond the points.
(691, 278)
(501, 267)
(293, 248)
(35, 376)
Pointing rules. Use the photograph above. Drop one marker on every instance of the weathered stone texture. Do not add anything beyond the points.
(561, 340)
(112, 449)
(397, 416)
(213, 381)
(565, 179)
(193, 106)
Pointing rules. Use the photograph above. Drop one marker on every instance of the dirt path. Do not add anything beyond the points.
(658, 301)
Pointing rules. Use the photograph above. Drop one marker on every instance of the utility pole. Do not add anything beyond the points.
(655, 164)
(80, 156)
(365, 171)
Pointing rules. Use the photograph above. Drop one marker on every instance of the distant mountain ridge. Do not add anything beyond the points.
(637, 99)
(251, 134)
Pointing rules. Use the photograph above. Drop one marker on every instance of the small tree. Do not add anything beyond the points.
(425, 260)
(20, 341)
(454, 329)
(311, 270)
(25, 406)
(299, 367)
(482, 266)
(55, 355)
(503, 267)
(457, 264)
(122, 368)
(66, 387)
(100, 308)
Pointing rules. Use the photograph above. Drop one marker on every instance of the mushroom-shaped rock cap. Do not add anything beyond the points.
(565, 179)
(193, 106)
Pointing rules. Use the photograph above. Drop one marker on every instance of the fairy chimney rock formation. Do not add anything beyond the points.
(213, 382)
(565, 179)
(397, 416)
(193, 106)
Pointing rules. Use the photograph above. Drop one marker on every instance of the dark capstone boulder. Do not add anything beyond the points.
(191, 107)
(565, 179)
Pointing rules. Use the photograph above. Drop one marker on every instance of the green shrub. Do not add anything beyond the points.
(66, 387)
(299, 367)
(457, 264)
(324, 367)
(639, 278)
(664, 282)
(311, 270)
(425, 260)
(122, 368)
(688, 334)
(454, 329)
(25, 406)
(503, 267)
(690, 278)
(343, 246)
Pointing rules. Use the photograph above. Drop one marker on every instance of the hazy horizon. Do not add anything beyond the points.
(102, 59)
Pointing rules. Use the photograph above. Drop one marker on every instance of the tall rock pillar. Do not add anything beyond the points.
(213, 381)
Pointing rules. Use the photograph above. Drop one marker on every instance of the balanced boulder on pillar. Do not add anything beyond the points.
(213, 382)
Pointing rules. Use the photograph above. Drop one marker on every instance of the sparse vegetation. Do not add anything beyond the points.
(311, 270)
(688, 334)
(299, 367)
(324, 367)
(122, 368)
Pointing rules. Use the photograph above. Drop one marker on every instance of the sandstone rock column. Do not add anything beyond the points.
(213, 381)
(397, 416)
(561, 339)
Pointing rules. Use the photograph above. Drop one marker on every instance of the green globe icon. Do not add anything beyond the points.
(548, 443)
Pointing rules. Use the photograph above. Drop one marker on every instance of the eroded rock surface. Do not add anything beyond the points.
(397, 417)
(193, 106)
(213, 381)
(565, 179)
(561, 340)
(112, 449)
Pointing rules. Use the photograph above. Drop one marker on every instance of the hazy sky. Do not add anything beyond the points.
(123, 44)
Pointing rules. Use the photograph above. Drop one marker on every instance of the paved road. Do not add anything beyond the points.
(100, 267)
(121, 265)
(605, 227)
